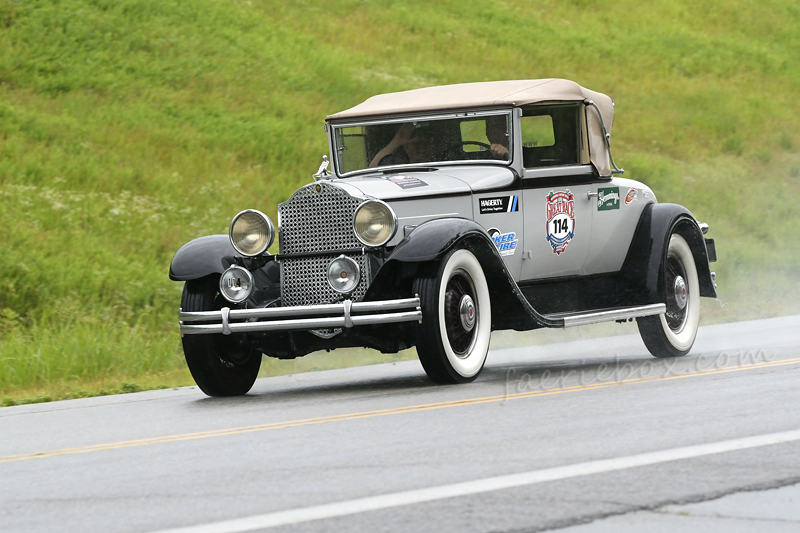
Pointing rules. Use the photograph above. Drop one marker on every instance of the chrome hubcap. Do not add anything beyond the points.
(466, 310)
(680, 292)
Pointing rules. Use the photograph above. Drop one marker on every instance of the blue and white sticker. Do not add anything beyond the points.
(506, 243)
(499, 204)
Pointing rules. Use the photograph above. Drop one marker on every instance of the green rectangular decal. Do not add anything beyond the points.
(607, 198)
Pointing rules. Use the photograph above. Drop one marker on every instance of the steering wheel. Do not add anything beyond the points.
(484, 146)
(393, 159)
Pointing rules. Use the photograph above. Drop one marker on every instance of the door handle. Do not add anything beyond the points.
(590, 194)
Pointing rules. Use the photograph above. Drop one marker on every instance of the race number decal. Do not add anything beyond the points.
(560, 209)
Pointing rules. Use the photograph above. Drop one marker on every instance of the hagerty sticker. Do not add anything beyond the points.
(499, 204)
(506, 242)
(560, 209)
(607, 198)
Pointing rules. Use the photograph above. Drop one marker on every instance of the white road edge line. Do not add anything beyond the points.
(409, 497)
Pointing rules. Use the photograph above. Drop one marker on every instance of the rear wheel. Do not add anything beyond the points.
(453, 339)
(220, 364)
(673, 333)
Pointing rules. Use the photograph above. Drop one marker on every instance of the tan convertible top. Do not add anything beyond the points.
(494, 94)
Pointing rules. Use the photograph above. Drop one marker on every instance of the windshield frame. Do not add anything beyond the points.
(335, 127)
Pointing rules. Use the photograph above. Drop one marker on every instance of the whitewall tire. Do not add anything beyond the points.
(673, 333)
(453, 339)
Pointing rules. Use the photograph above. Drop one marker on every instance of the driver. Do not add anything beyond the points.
(497, 134)
(417, 142)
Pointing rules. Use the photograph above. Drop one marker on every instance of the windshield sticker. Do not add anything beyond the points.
(499, 204)
(607, 198)
(560, 209)
(506, 243)
(631, 196)
(407, 182)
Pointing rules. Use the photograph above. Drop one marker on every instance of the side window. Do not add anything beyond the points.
(537, 131)
(551, 136)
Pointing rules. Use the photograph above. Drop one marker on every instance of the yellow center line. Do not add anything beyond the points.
(387, 412)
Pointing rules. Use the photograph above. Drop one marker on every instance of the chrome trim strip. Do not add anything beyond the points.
(346, 317)
(411, 117)
(554, 172)
(582, 319)
(323, 309)
(304, 323)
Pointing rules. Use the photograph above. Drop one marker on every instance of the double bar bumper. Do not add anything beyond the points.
(343, 315)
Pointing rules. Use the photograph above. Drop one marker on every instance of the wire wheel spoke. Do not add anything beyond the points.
(675, 315)
(460, 338)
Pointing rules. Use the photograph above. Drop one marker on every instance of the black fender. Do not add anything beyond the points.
(200, 257)
(431, 241)
(641, 275)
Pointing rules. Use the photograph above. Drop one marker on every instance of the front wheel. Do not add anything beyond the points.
(673, 333)
(219, 364)
(453, 339)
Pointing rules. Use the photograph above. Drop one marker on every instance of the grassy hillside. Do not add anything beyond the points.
(128, 127)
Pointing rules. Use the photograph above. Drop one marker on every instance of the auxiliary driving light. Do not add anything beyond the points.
(252, 232)
(236, 284)
(343, 274)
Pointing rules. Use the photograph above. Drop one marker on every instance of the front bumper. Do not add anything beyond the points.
(343, 315)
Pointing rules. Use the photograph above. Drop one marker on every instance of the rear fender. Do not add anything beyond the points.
(642, 274)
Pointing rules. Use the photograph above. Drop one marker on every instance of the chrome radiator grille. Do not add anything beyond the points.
(317, 221)
(313, 221)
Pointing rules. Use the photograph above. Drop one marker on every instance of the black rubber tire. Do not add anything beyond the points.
(674, 333)
(449, 352)
(219, 366)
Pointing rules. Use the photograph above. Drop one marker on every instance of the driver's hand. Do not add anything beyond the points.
(499, 151)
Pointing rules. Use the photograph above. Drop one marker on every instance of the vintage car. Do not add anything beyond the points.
(449, 212)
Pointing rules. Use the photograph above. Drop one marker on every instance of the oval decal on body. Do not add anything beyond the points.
(560, 209)
(631, 196)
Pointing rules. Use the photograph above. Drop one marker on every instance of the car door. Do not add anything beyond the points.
(557, 191)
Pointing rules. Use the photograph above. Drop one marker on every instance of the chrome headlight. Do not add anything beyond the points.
(251, 232)
(374, 223)
(236, 284)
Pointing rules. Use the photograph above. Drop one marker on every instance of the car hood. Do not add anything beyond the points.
(439, 182)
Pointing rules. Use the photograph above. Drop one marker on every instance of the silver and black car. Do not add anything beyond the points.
(447, 212)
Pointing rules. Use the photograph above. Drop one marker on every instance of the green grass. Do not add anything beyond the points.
(128, 127)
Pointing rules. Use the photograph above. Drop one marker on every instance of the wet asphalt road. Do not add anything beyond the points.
(590, 432)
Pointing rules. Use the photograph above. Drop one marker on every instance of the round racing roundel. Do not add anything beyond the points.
(560, 209)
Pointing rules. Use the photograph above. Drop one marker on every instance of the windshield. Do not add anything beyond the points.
(465, 137)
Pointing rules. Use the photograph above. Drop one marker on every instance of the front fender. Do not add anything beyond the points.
(424, 247)
(200, 257)
(641, 273)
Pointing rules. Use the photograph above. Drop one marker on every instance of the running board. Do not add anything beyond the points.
(584, 318)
